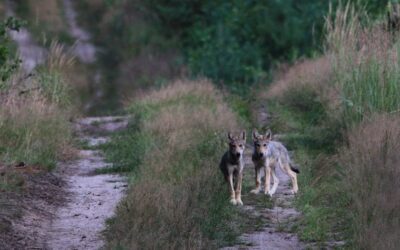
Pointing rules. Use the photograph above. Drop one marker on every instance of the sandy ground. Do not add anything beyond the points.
(92, 197)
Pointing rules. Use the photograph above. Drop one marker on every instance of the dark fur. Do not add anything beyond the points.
(294, 168)
(230, 158)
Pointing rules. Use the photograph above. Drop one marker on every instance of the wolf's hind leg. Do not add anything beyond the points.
(258, 181)
(293, 176)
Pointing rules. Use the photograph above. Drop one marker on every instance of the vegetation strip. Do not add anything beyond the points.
(339, 114)
(177, 197)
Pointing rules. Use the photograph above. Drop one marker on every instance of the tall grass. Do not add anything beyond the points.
(365, 59)
(34, 114)
(350, 189)
(177, 198)
(371, 162)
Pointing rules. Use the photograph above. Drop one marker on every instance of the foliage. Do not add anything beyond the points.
(7, 64)
(238, 41)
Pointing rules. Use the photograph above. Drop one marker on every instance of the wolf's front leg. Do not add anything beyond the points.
(231, 189)
(238, 192)
(267, 181)
(258, 181)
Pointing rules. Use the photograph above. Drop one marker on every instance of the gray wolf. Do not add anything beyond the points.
(267, 155)
(232, 165)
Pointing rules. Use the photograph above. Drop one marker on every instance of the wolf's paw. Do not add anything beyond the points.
(293, 191)
(269, 193)
(233, 201)
(255, 191)
(239, 202)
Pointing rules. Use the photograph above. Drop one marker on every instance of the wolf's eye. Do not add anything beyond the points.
(241, 145)
(258, 145)
(265, 145)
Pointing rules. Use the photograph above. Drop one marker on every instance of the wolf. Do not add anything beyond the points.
(268, 154)
(232, 165)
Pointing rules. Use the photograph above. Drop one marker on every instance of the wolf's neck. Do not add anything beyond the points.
(234, 159)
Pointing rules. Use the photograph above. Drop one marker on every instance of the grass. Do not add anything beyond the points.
(177, 197)
(339, 114)
(365, 64)
(34, 114)
(313, 137)
(371, 163)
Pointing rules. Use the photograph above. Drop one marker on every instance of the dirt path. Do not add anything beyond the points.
(91, 197)
(277, 214)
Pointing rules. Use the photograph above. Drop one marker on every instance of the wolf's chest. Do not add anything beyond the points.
(233, 168)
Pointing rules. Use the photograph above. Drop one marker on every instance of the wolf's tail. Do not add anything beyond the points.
(294, 168)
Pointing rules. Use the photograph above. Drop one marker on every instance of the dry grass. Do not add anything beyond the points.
(177, 199)
(371, 162)
(314, 75)
(59, 59)
(30, 130)
(34, 115)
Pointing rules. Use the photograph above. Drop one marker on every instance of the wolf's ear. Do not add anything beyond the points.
(255, 135)
(230, 137)
(268, 134)
(243, 134)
